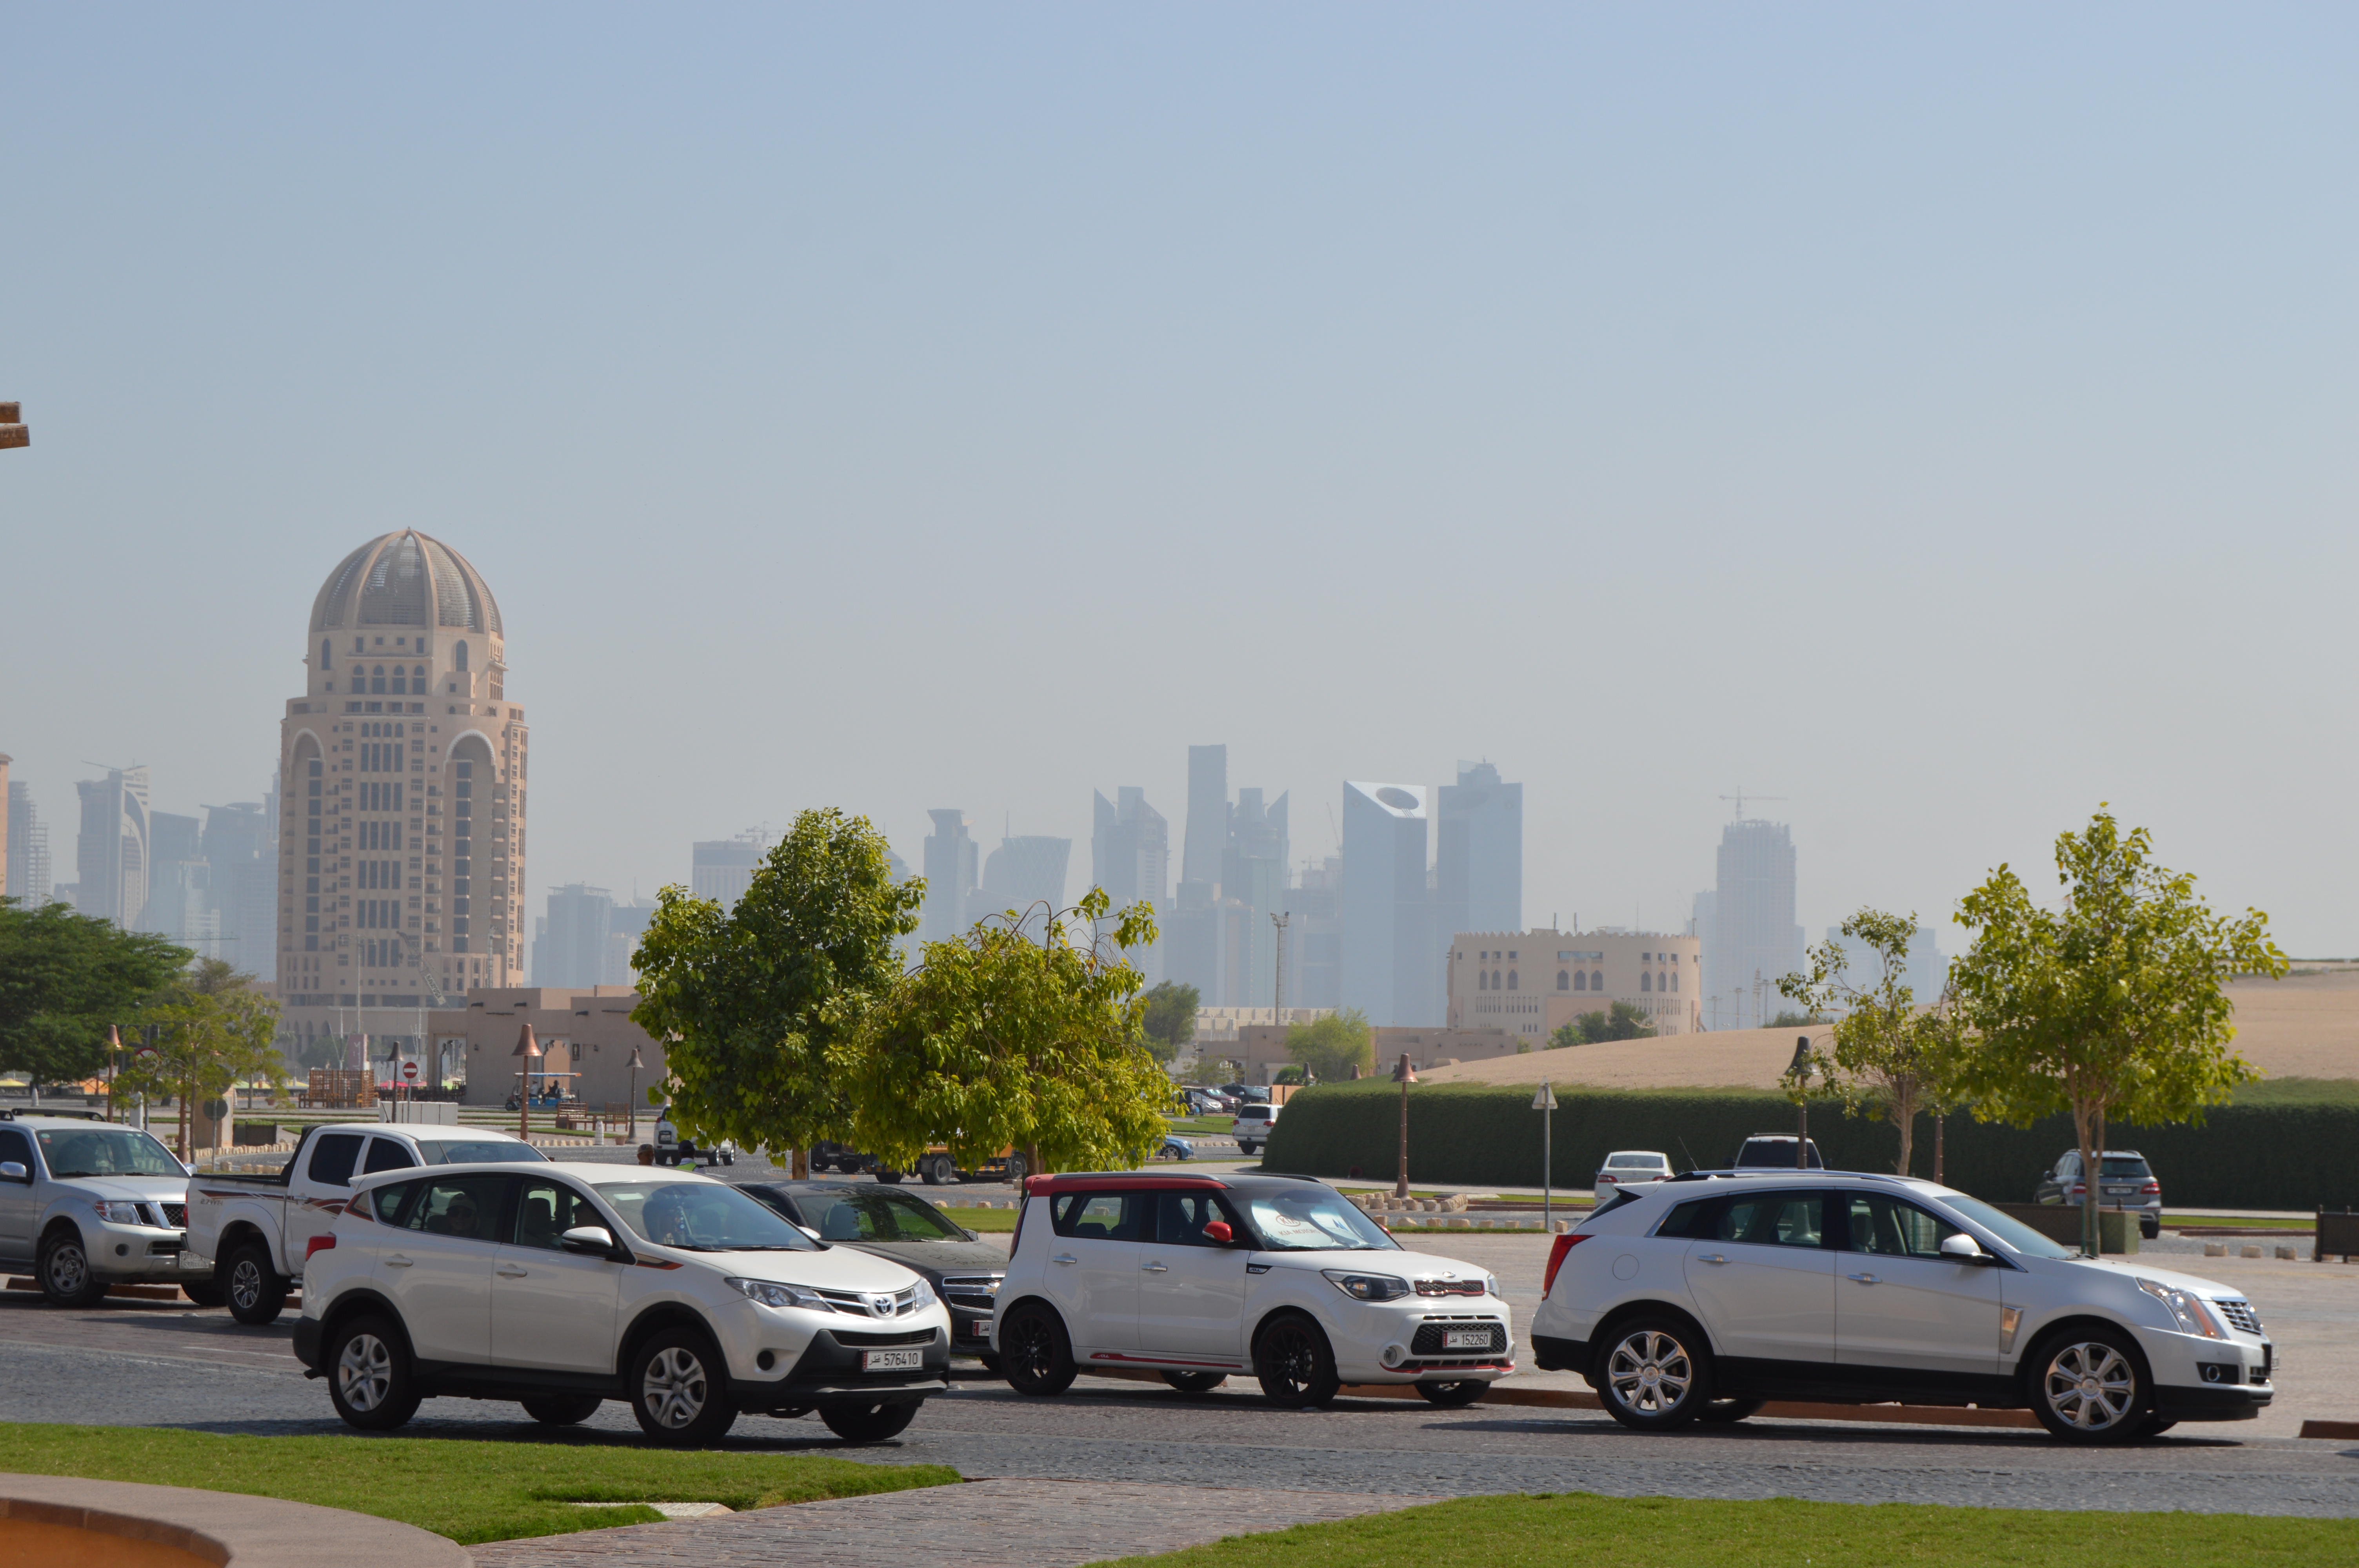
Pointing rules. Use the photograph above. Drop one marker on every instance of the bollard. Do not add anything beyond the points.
(2252, 1249)
(2285, 1252)
(2215, 1249)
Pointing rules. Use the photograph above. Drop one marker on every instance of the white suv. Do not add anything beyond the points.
(1252, 1125)
(562, 1285)
(1701, 1297)
(1198, 1277)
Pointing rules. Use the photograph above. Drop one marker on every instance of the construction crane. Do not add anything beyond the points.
(1739, 798)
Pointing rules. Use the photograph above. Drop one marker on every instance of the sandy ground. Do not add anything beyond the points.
(2303, 1026)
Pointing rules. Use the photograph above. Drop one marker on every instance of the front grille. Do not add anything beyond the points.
(1452, 1288)
(974, 1293)
(1429, 1340)
(176, 1215)
(853, 1339)
(2240, 1314)
(857, 1302)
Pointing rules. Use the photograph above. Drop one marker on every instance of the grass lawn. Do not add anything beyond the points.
(1184, 1125)
(471, 1490)
(988, 1220)
(1546, 1531)
(2173, 1221)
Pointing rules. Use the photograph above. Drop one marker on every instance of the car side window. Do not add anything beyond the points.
(383, 1204)
(1097, 1216)
(464, 1207)
(387, 1155)
(1887, 1228)
(547, 1210)
(1181, 1218)
(332, 1159)
(15, 1145)
(1692, 1220)
(1773, 1219)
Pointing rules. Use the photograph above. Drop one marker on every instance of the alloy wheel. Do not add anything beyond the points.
(674, 1388)
(1292, 1359)
(1649, 1372)
(245, 1284)
(1030, 1349)
(365, 1372)
(2091, 1385)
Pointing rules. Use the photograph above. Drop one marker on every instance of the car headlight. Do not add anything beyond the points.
(2187, 1309)
(921, 1294)
(770, 1293)
(1490, 1283)
(118, 1213)
(1367, 1287)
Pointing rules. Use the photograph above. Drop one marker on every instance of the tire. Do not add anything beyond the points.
(869, 1422)
(940, 1172)
(1295, 1363)
(1451, 1396)
(1017, 1169)
(2150, 1230)
(2090, 1387)
(370, 1379)
(2157, 1425)
(66, 1278)
(204, 1295)
(1728, 1413)
(257, 1295)
(1035, 1352)
(1246, 1148)
(994, 1365)
(678, 1390)
(1653, 1374)
(561, 1410)
(890, 1178)
(1195, 1382)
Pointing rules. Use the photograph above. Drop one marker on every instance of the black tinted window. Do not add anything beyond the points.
(1692, 1219)
(1891, 1228)
(1097, 1216)
(1773, 1219)
(332, 1158)
(384, 1202)
(462, 1206)
(1180, 1219)
(384, 1154)
(13, 1145)
(547, 1210)
(2116, 1167)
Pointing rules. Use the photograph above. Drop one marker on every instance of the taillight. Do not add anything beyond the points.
(2152, 1189)
(316, 1244)
(1608, 1181)
(1564, 1244)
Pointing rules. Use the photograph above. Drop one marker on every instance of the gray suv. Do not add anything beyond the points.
(2125, 1180)
(87, 1203)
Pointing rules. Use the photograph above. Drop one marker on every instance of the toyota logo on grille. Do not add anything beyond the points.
(880, 1306)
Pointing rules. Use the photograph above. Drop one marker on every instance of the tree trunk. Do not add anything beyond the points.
(2083, 1118)
(798, 1166)
(1904, 1111)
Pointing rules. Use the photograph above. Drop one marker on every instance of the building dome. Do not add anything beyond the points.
(406, 578)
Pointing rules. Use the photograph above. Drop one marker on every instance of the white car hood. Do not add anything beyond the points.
(133, 1189)
(1408, 1265)
(837, 1269)
(2130, 1271)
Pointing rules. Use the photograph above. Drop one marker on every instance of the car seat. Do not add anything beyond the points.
(841, 1224)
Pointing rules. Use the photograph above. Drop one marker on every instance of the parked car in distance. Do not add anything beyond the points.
(1198, 1277)
(1246, 1094)
(843, 1157)
(85, 1205)
(1253, 1126)
(1701, 1298)
(1630, 1165)
(260, 1230)
(2125, 1180)
(964, 1270)
(673, 1150)
(1775, 1151)
(1174, 1147)
(937, 1168)
(560, 1286)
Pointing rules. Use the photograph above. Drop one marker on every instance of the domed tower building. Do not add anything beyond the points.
(402, 774)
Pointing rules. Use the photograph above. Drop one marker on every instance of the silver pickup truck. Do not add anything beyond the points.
(259, 1230)
(87, 1204)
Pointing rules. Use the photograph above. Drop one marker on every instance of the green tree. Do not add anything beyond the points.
(1788, 1019)
(997, 1042)
(750, 1001)
(215, 1028)
(1331, 1046)
(1884, 1059)
(1170, 1019)
(63, 978)
(1623, 1021)
(2113, 1005)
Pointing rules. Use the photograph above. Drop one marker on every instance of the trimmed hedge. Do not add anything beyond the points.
(2273, 1151)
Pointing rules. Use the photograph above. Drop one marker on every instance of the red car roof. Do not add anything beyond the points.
(1097, 1181)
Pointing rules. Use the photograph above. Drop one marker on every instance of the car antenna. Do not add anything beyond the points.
(1686, 1151)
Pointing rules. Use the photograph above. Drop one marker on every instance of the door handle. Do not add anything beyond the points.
(1156, 1268)
(1712, 1258)
(1865, 1279)
(1064, 1258)
(509, 1271)
(396, 1261)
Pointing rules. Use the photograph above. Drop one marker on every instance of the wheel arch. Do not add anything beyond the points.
(357, 1303)
(1033, 1298)
(653, 1320)
(58, 1225)
(1283, 1310)
(1611, 1324)
(2065, 1326)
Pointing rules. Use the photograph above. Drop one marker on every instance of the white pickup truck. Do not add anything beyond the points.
(259, 1230)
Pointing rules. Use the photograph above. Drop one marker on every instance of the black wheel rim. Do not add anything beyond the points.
(69, 1270)
(1031, 1351)
(1291, 1360)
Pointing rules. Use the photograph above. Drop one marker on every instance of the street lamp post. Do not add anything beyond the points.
(631, 1104)
(528, 1048)
(1544, 1103)
(1800, 1071)
(1404, 1075)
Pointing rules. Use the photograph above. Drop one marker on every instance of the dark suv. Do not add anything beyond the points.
(1775, 1151)
(2125, 1180)
(902, 1226)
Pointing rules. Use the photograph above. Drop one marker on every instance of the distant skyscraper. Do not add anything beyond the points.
(722, 869)
(572, 947)
(179, 891)
(1479, 854)
(1253, 878)
(1391, 963)
(626, 923)
(29, 849)
(1924, 972)
(1753, 941)
(1023, 873)
(6, 824)
(239, 849)
(1208, 815)
(1314, 964)
(111, 851)
(950, 863)
(1130, 857)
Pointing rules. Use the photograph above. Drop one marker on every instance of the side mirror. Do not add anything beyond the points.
(591, 1240)
(11, 1171)
(972, 1235)
(1965, 1249)
(188, 1168)
(1219, 1231)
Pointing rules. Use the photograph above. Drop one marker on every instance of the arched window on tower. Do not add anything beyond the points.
(326, 653)
(1675, 980)
(1511, 979)
(376, 680)
(1597, 980)
(1482, 979)
(1581, 980)
(1563, 982)
(460, 661)
(1646, 980)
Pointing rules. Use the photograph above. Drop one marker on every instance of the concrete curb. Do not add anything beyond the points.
(223, 1526)
(2333, 1431)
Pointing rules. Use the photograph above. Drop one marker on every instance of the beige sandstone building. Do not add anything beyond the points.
(585, 1034)
(1532, 983)
(402, 771)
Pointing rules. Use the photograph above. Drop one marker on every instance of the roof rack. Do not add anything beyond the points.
(18, 1113)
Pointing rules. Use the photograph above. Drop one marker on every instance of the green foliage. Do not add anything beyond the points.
(2275, 1152)
(63, 978)
(1331, 1046)
(1887, 1058)
(2112, 1007)
(215, 1027)
(1170, 1019)
(1624, 1022)
(751, 1002)
(468, 1491)
(1788, 1019)
(997, 1042)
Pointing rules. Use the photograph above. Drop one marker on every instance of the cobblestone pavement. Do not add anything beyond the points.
(987, 1524)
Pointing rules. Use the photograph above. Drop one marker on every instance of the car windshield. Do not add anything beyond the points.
(482, 1152)
(703, 1217)
(2012, 1231)
(1315, 1220)
(106, 1152)
(2119, 1167)
(869, 1214)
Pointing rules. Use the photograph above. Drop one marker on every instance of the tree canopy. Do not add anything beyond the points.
(64, 977)
(215, 1027)
(2112, 1006)
(751, 1001)
(1331, 1046)
(997, 1042)
(1887, 1058)
(1171, 1018)
(1624, 1021)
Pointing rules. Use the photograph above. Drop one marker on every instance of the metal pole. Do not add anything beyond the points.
(1400, 1179)
(1939, 1123)
(1548, 1171)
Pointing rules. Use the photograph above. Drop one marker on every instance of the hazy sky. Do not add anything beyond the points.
(1941, 418)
